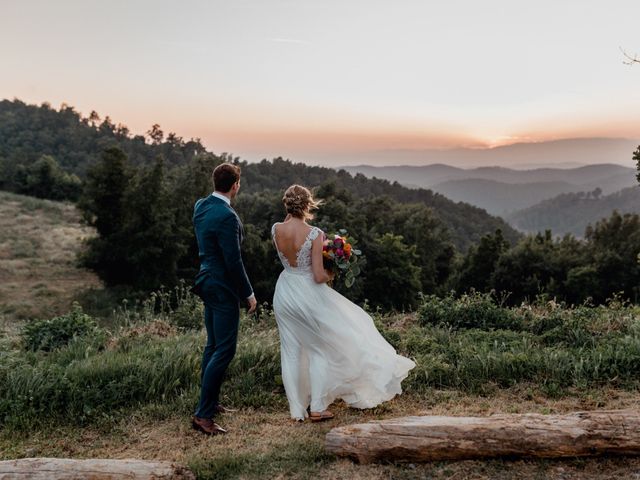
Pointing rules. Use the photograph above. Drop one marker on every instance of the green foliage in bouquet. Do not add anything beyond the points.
(341, 257)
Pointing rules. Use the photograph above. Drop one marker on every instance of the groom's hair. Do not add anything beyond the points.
(224, 176)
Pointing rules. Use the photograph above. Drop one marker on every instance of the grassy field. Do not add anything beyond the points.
(39, 240)
(102, 411)
(125, 386)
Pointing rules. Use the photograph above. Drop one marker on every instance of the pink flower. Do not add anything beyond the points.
(340, 252)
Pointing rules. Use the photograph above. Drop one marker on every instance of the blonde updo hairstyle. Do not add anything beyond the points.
(299, 201)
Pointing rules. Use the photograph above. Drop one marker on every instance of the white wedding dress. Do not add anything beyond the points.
(330, 347)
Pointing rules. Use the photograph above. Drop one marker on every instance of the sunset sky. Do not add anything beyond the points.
(317, 81)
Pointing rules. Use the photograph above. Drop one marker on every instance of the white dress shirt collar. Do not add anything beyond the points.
(222, 197)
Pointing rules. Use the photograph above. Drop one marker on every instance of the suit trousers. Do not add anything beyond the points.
(221, 319)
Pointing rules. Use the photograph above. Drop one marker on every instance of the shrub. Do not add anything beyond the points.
(188, 311)
(178, 306)
(57, 332)
(473, 310)
(254, 375)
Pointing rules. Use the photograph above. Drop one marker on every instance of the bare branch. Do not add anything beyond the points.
(630, 59)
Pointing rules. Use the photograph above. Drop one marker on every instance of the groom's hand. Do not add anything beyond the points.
(251, 304)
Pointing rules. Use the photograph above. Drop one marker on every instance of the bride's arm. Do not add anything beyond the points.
(319, 273)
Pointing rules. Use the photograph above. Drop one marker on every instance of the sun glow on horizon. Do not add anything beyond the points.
(303, 80)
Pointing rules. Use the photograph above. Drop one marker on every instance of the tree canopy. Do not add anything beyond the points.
(138, 192)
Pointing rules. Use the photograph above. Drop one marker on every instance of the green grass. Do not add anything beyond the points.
(104, 374)
(81, 382)
(475, 345)
(137, 382)
(80, 375)
(478, 361)
(85, 381)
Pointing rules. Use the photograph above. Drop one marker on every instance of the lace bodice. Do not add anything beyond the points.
(303, 255)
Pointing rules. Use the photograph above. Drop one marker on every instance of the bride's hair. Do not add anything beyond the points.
(298, 201)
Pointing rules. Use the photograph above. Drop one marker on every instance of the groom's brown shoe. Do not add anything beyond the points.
(206, 426)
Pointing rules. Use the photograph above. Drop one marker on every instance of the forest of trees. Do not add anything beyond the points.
(27, 132)
(595, 269)
(573, 212)
(143, 218)
(138, 192)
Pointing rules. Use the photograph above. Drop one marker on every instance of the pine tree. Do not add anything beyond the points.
(480, 263)
(103, 196)
(102, 204)
(149, 235)
(392, 278)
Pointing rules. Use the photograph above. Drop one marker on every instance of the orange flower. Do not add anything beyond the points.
(347, 247)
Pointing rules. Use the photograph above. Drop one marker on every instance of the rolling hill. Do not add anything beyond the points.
(572, 212)
(39, 240)
(428, 176)
(502, 190)
(499, 198)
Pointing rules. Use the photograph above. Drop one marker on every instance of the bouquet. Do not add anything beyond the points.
(340, 257)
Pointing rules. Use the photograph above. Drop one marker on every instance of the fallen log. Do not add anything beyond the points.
(427, 438)
(94, 469)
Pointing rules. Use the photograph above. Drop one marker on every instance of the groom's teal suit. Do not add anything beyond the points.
(221, 283)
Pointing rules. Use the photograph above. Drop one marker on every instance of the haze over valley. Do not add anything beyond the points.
(557, 168)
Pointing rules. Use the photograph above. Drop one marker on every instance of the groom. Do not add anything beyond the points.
(221, 283)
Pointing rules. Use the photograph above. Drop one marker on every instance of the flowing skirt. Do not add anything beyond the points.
(330, 348)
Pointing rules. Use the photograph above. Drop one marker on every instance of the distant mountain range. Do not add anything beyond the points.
(502, 190)
(568, 153)
(572, 212)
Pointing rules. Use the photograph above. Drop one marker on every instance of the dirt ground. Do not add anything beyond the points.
(269, 445)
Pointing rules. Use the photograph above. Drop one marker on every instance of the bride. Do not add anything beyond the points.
(330, 347)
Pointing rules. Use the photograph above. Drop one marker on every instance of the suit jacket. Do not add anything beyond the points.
(219, 234)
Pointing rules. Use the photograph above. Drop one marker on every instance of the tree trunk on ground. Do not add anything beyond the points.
(68, 469)
(416, 439)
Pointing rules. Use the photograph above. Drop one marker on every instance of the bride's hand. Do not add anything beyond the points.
(331, 274)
